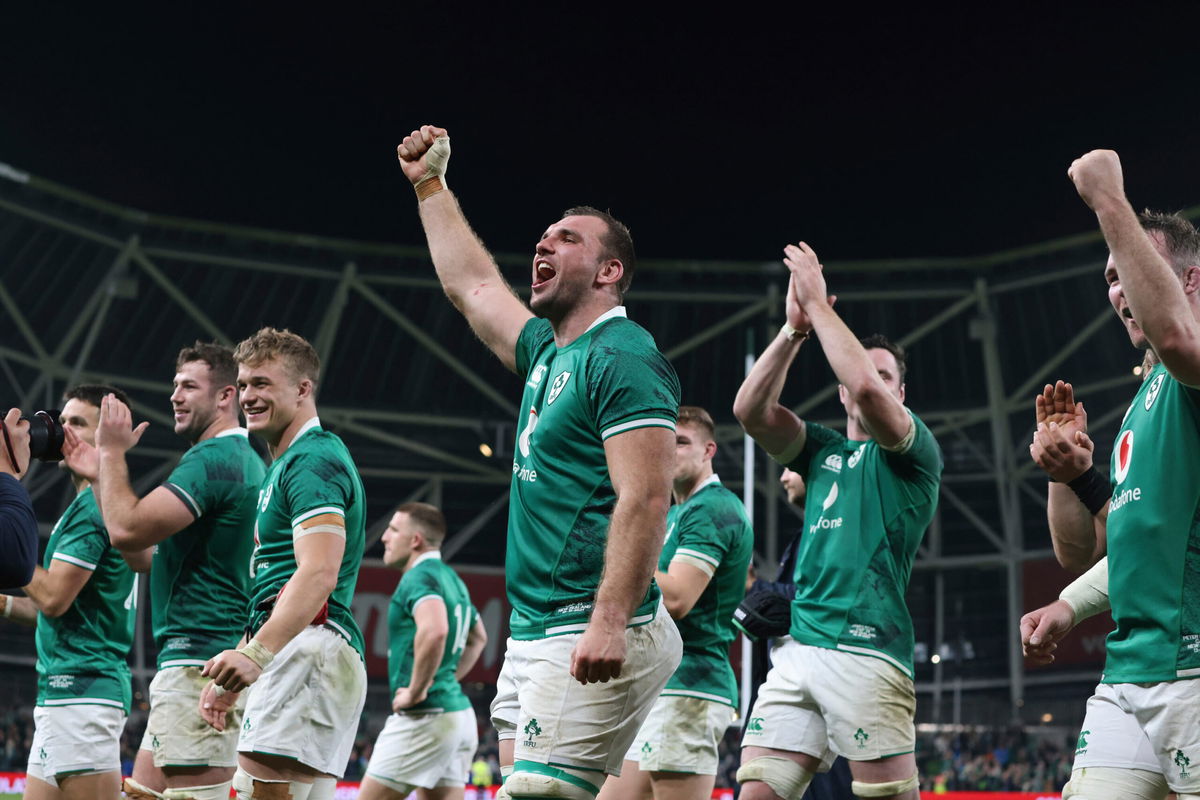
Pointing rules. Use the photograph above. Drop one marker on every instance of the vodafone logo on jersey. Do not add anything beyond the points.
(1123, 453)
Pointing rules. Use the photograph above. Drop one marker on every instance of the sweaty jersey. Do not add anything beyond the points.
(200, 577)
(610, 380)
(429, 578)
(709, 530)
(866, 511)
(81, 654)
(314, 476)
(1154, 536)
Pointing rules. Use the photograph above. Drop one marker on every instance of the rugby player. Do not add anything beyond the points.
(591, 646)
(304, 654)
(843, 683)
(1143, 722)
(701, 573)
(435, 637)
(202, 521)
(84, 603)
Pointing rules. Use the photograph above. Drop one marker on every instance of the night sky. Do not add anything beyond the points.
(870, 137)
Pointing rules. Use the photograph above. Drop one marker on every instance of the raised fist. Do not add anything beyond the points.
(424, 154)
(1097, 177)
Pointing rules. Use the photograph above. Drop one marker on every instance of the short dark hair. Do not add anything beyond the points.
(877, 341)
(617, 242)
(299, 357)
(699, 418)
(1179, 235)
(428, 518)
(218, 357)
(93, 393)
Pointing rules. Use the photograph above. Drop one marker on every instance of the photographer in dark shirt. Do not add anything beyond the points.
(18, 527)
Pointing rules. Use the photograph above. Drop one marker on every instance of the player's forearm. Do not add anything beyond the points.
(1073, 531)
(470, 655)
(1149, 283)
(20, 610)
(428, 648)
(300, 601)
(45, 594)
(635, 538)
(846, 356)
(138, 560)
(757, 405)
(462, 263)
(117, 502)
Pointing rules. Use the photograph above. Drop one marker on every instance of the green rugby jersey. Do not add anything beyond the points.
(1154, 536)
(610, 380)
(427, 578)
(200, 577)
(81, 655)
(711, 531)
(314, 476)
(866, 512)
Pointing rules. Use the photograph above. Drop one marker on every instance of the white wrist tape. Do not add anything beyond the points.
(8, 604)
(256, 652)
(437, 158)
(1087, 595)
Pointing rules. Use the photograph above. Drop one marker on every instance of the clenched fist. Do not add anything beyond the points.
(1097, 177)
(424, 155)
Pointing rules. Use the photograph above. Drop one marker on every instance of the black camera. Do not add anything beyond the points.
(45, 435)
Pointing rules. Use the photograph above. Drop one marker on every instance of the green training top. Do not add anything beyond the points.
(314, 476)
(866, 512)
(709, 530)
(200, 578)
(1154, 536)
(81, 654)
(429, 578)
(610, 380)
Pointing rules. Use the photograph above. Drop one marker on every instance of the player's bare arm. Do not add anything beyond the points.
(883, 414)
(641, 463)
(468, 273)
(1161, 306)
(52, 591)
(1062, 448)
(681, 586)
(477, 639)
(133, 525)
(429, 643)
(318, 560)
(757, 406)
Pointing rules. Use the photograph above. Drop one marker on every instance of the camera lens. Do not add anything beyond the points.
(45, 435)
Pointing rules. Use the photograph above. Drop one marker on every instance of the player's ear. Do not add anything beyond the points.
(306, 388)
(227, 396)
(1191, 279)
(710, 450)
(902, 392)
(611, 272)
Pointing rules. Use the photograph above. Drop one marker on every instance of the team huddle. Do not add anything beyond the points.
(626, 556)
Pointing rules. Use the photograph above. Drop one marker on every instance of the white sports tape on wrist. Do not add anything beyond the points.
(256, 652)
(1087, 595)
(8, 604)
(884, 789)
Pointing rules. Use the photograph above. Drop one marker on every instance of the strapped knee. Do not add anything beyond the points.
(536, 785)
(249, 787)
(885, 788)
(215, 791)
(1115, 783)
(785, 777)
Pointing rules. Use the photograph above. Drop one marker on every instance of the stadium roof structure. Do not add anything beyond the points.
(97, 292)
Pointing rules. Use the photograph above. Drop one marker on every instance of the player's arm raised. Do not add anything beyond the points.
(757, 406)
(640, 463)
(468, 273)
(1157, 299)
(883, 414)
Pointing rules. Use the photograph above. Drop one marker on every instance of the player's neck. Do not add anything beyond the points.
(686, 488)
(856, 432)
(80, 483)
(576, 322)
(303, 416)
(415, 557)
(219, 425)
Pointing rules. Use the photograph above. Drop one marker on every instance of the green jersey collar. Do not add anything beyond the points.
(429, 555)
(315, 422)
(245, 434)
(612, 313)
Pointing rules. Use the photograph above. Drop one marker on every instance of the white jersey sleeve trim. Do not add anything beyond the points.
(342, 631)
(714, 698)
(336, 530)
(425, 597)
(866, 651)
(183, 494)
(789, 453)
(905, 444)
(697, 560)
(79, 562)
(183, 662)
(649, 422)
(317, 512)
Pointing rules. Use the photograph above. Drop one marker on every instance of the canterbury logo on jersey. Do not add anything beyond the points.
(535, 377)
(556, 388)
(833, 463)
